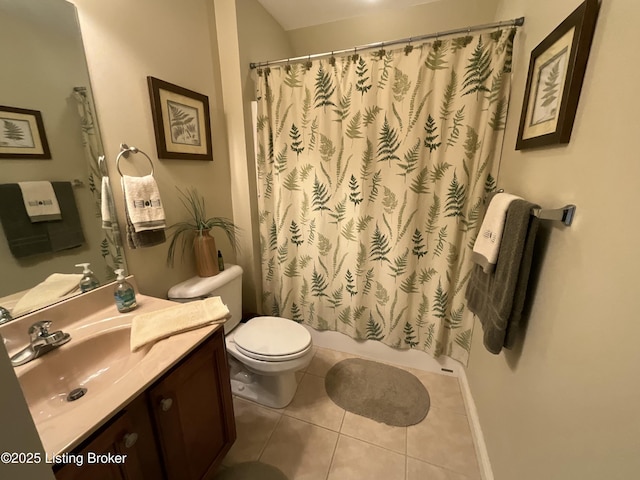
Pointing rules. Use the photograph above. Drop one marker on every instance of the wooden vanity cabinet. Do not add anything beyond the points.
(193, 413)
(183, 424)
(130, 434)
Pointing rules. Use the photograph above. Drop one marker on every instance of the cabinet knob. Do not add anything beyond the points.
(130, 439)
(166, 404)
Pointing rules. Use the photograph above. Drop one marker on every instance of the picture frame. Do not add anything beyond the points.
(556, 73)
(181, 121)
(22, 134)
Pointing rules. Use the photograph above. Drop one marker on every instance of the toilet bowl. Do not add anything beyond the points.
(265, 352)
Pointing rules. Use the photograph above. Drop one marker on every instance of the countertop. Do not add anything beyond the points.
(75, 421)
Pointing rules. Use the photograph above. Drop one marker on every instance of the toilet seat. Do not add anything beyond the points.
(272, 339)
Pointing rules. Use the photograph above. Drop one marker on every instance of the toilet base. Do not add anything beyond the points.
(275, 391)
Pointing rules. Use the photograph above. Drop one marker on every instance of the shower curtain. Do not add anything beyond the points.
(111, 244)
(372, 170)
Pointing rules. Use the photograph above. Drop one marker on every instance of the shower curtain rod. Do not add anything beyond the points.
(517, 22)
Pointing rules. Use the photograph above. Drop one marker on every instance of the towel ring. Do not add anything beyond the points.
(124, 152)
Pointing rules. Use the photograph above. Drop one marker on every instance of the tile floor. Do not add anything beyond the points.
(314, 439)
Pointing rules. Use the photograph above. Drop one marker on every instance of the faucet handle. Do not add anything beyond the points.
(5, 315)
(39, 329)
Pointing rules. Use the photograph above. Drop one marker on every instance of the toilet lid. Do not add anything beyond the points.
(273, 339)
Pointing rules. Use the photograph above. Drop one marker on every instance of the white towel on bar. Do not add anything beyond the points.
(153, 326)
(487, 245)
(40, 201)
(106, 199)
(143, 203)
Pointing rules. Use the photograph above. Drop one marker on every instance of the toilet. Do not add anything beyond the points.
(265, 352)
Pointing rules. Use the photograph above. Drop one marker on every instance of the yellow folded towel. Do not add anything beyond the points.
(154, 326)
(55, 287)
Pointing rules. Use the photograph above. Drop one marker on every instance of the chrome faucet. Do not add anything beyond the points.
(5, 315)
(40, 342)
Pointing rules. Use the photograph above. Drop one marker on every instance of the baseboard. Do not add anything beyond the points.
(476, 430)
(374, 350)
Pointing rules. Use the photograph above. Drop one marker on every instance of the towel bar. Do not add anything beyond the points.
(564, 214)
(125, 150)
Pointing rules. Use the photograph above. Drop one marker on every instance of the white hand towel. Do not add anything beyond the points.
(143, 203)
(487, 245)
(40, 201)
(105, 206)
(154, 326)
(55, 287)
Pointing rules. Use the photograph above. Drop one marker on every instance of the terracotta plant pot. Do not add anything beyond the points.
(206, 253)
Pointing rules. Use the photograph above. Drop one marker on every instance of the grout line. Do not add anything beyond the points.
(312, 424)
(344, 414)
(315, 424)
(270, 437)
(406, 467)
(446, 469)
(406, 441)
(333, 455)
(372, 444)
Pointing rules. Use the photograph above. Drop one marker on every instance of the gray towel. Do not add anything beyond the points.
(24, 238)
(497, 298)
(146, 238)
(67, 232)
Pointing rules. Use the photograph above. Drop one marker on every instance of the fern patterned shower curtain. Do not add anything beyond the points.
(372, 170)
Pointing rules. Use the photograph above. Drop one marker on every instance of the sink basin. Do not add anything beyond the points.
(95, 363)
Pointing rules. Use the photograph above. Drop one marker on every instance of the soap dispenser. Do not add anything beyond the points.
(220, 261)
(124, 293)
(88, 280)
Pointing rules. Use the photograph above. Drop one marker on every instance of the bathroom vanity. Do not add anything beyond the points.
(190, 411)
(163, 412)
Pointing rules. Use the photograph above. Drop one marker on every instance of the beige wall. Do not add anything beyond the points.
(245, 32)
(126, 41)
(392, 25)
(564, 404)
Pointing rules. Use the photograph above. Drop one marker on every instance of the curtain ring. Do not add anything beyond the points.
(332, 60)
(308, 64)
(408, 48)
(355, 54)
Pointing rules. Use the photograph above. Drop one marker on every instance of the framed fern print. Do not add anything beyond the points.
(22, 134)
(556, 73)
(181, 121)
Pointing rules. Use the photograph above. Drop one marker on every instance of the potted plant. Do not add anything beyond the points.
(196, 230)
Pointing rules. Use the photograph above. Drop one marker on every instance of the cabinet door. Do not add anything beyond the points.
(193, 412)
(130, 436)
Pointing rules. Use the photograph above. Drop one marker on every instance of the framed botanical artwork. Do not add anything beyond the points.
(556, 73)
(22, 134)
(181, 121)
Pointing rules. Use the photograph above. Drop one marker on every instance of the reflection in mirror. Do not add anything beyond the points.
(44, 70)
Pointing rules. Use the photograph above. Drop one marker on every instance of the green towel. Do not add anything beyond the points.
(24, 238)
(67, 232)
(498, 298)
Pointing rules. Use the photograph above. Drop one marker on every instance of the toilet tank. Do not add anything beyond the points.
(227, 285)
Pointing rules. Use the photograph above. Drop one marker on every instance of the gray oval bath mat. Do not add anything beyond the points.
(251, 471)
(381, 392)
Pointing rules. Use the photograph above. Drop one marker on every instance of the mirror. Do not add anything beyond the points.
(44, 70)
